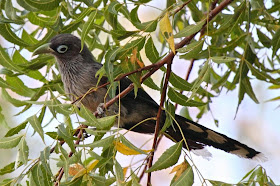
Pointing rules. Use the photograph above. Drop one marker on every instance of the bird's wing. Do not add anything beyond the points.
(141, 94)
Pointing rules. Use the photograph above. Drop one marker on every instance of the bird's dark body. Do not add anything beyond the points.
(78, 69)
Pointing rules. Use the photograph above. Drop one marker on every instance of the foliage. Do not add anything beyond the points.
(238, 43)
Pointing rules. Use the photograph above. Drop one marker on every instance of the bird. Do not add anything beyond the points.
(78, 68)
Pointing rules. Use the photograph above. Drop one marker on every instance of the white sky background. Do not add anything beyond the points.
(256, 125)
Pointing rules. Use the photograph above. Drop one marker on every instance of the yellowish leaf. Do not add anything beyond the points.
(148, 150)
(140, 63)
(167, 32)
(125, 170)
(125, 149)
(122, 148)
(86, 170)
(134, 58)
(179, 169)
(73, 170)
(134, 55)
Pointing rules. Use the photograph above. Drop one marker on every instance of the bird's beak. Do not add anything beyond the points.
(44, 49)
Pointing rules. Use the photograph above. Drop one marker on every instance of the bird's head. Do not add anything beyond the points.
(65, 47)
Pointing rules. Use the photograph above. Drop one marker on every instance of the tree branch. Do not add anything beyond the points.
(157, 127)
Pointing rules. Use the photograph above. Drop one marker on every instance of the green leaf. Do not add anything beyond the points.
(112, 19)
(23, 151)
(151, 51)
(248, 89)
(10, 10)
(39, 177)
(9, 142)
(75, 182)
(229, 46)
(89, 117)
(231, 21)
(9, 168)
(139, 43)
(217, 183)
(276, 42)
(41, 21)
(261, 74)
(4, 84)
(56, 106)
(196, 13)
(130, 145)
(257, 4)
(2, 119)
(50, 33)
(9, 34)
(189, 30)
(202, 76)
(28, 38)
(18, 86)
(266, 41)
(182, 84)
(102, 180)
(70, 27)
(168, 158)
(6, 61)
(186, 179)
(106, 142)
(222, 82)
(192, 49)
(119, 172)
(16, 129)
(149, 26)
(170, 114)
(27, 5)
(78, 20)
(54, 136)
(37, 63)
(222, 59)
(129, 66)
(122, 34)
(46, 5)
(87, 26)
(65, 159)
(108, 65)
(149, 82)
(20, 60)
(67, 136)
(182, 99)
(106, 122)
(44, 159)
(114, 7)
(36, 125)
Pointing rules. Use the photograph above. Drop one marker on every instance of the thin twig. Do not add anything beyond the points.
(182, 6)
(157, 127)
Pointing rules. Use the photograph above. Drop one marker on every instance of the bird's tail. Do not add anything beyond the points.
(198, 136)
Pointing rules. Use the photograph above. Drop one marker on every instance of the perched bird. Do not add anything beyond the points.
(78, 68)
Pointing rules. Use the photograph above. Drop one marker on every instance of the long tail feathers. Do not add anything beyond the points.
(198, 136)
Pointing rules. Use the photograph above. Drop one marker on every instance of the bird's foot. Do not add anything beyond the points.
(100, 110)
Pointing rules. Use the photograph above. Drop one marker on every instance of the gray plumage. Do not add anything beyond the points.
(78, 69)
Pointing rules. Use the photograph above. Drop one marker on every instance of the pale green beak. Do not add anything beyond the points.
(44, 49)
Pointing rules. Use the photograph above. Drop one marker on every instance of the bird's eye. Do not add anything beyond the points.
(62, 49)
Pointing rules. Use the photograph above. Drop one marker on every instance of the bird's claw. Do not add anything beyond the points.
(100, 110)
